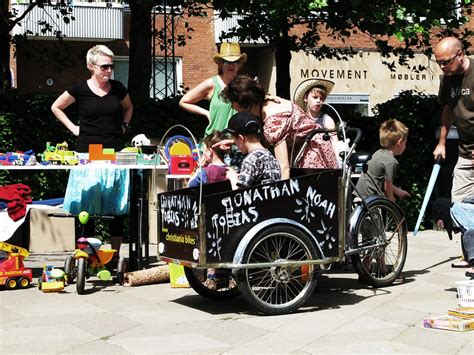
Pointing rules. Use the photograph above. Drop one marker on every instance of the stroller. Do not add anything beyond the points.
(462, 214)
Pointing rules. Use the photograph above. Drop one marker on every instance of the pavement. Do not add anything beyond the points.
(343, 316)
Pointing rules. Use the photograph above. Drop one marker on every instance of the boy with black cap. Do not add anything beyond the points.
(259, 165)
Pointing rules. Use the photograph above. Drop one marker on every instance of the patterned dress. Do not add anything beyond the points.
(293, 127)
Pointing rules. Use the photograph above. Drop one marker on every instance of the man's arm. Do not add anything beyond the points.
(447, 119)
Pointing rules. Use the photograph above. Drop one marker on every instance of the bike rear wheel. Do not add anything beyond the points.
(197, 280)
(381, 230)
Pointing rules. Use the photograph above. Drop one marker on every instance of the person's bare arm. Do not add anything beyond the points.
(399, 192)
(233, 178)
(388, 189)
(127, 108)
(201, 92)
(281, 153)
(58, 107)
(447, 119)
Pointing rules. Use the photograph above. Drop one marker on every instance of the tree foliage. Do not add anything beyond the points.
(395, 28)
(9, 18)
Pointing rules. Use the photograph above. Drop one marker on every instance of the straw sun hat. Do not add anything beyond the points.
(308, 84)
(230, 51)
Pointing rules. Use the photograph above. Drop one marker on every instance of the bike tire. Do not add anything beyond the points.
(196, 279)
(81, 276)
(279, 290)
(122, 269)
(69, 269)
(381, 222)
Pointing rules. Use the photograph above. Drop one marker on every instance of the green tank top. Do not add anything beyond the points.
(219, 112)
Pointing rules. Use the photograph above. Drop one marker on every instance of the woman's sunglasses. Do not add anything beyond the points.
(105, 67)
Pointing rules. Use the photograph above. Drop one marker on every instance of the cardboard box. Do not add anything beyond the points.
(49, 234)
(449, 323)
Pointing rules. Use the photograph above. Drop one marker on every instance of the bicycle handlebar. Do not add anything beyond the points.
(357, 131)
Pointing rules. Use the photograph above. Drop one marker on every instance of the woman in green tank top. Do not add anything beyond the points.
(229, 61)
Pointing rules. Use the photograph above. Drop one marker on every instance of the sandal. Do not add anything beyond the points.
(470, 273)
(461, 263)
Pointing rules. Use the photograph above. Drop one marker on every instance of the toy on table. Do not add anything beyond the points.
(18, 158)
(52, 279)
(89, 260)
(13, 273)
(59, 155)
(148, 153)
(180, 152)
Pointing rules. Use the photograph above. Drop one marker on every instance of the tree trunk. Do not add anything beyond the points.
(282, 61)
(139, 70)
(5, 48)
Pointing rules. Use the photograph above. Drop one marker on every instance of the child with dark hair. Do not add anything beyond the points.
(259, 165)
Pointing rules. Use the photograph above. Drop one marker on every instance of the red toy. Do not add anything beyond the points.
(12, 270)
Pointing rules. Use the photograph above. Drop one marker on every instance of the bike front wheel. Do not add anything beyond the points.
(381, 235)
(279, 289)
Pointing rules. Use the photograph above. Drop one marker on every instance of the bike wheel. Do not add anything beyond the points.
(122, 268)
(69, 269)
(279, 289)
(382, 226)
(81, 276)
(197, 278)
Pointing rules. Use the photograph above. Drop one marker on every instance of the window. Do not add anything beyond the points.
(157, 84)
(348, 105)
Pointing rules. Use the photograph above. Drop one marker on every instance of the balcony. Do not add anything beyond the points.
(225, 25)
(99, 21)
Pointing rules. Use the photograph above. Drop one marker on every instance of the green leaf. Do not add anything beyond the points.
(399, 36)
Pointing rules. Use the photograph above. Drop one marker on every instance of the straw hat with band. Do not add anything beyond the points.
(308, 84)
(230, 51)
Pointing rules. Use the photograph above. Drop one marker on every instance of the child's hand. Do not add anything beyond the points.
(403, 194)
(231, 174)
(225, 144)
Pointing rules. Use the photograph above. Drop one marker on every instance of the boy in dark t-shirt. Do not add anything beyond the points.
(259, 165)
(382, 167)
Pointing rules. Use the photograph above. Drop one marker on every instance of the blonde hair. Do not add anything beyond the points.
(93, 54)
(391, 132)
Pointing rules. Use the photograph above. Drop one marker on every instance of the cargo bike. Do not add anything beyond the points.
(271, 242)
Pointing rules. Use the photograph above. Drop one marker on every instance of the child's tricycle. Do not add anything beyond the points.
(274, 240)
(90, 260)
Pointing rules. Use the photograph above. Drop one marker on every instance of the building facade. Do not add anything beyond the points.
(46, 65)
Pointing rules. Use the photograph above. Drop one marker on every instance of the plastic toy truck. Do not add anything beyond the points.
(59, 155)
(13, 273)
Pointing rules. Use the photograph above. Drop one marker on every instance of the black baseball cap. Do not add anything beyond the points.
(244, 123)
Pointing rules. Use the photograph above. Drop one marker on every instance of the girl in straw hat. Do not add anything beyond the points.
(310, 95)
(285, 125)
(229, 61)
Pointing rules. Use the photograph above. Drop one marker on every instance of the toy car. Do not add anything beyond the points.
(52, 279)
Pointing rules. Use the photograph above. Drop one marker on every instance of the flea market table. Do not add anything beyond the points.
(139, 221)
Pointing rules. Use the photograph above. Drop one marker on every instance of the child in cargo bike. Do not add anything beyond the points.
(259, 166)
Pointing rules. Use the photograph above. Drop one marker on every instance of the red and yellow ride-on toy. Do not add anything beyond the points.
(13, 273)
